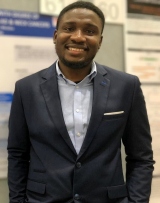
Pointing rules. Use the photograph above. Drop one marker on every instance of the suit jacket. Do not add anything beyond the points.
(43, 164)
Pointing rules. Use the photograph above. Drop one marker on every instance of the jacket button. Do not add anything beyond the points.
(76, 196)
(78, 164)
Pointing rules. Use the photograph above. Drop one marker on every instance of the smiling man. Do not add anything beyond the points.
(67, 123)
(78, 38)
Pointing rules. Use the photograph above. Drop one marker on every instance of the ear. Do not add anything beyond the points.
(100, 42)
(55, 37)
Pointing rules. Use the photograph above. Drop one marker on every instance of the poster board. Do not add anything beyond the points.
(26, 47)
(142, 55)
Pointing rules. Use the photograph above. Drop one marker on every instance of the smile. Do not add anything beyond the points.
(75, 49)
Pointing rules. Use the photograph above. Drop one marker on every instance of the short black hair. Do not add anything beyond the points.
(82, 4)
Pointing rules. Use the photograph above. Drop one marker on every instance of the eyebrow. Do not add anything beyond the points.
(88, 24)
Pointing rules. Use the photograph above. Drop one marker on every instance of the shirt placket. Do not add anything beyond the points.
(78, 118)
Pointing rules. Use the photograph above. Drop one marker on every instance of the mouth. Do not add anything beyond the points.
(76, 48)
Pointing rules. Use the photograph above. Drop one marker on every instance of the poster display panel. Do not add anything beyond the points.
(26, 47)
(152, 97)
(142, 54)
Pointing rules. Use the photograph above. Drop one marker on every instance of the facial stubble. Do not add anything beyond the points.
(75, 64)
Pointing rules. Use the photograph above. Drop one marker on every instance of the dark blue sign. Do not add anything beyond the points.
(26, 24)
(6, 97)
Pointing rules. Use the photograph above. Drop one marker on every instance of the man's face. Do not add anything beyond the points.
(78, 37)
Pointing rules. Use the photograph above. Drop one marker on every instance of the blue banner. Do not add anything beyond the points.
(6, 97)
(19, 23)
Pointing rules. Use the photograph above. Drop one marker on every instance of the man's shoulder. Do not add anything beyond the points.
(37, 77)
(114, 74)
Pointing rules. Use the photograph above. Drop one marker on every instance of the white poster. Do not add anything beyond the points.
(23, 56)
(152, 97)
(114, 10)
(142, 40)
(51, 7)
(142, 54)
(26, 47)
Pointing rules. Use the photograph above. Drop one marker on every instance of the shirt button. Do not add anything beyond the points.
(76, 196)
(77, 87)
(78, 164)
(77, 110)
(79, 134)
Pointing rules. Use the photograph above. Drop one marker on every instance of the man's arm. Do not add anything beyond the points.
(137, 142)
(18, 150)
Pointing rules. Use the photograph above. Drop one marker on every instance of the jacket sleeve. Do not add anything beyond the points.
(18, 150)
(139, 156)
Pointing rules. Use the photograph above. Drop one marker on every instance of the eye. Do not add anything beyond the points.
(90, 32)
(68, 29)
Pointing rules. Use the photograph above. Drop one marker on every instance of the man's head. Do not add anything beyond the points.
(85, 5)
(79, 34)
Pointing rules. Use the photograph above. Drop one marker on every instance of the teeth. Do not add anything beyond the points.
(75, 49)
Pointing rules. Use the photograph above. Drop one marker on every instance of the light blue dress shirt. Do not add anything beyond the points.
(76, 102)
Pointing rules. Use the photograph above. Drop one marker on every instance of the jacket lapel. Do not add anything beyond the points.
(101, 90)
(49, 88)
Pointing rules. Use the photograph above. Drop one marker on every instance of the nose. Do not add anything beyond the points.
(78, 36)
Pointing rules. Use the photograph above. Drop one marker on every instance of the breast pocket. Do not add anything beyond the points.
(113, 116)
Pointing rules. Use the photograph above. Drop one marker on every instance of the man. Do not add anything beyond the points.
(67, 122)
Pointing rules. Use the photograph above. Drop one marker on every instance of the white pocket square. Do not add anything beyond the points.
(114, 113)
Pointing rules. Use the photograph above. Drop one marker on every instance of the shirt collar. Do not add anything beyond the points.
(90, 76)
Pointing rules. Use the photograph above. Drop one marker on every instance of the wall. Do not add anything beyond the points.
(111, 52)
(20, 5)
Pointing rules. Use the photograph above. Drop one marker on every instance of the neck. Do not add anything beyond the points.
(75, 74)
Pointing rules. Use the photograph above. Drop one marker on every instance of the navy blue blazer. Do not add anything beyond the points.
(43, 164)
